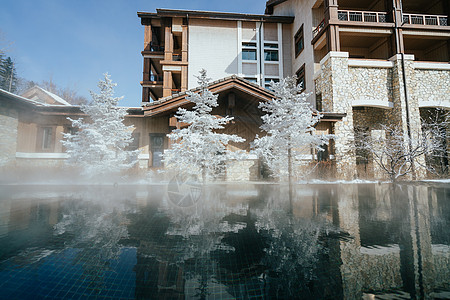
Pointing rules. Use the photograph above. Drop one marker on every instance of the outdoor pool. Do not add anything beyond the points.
(242, 241)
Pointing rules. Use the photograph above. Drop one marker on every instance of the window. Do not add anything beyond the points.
(301, 77)
(267, 82)
(251, 79)
(299, 42)
(248, 51)
(248, 54)
(270, 52)
(157, 148)
(271, 55)
(319, 102)
(45, 140)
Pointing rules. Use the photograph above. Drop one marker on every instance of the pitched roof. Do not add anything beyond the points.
(173, 102)
(43, 96)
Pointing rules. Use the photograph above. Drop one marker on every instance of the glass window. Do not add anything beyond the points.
(47, 137)
(247, 45)
(269, 45)
(267, 82)
(248, 54)
(157, 149)
(301, 77)
(251, 79)
(299, 41)
(271, 55)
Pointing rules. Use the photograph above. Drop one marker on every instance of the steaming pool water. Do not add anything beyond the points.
(333, 241)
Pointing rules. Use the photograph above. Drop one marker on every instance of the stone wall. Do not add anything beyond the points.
(432, 85)
(347, 84)
(8, 135)
(370, 83)
(242, 170)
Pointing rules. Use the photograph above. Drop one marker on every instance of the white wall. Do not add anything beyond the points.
(213, 47)
(302, 10)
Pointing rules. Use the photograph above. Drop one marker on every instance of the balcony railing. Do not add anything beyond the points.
(362, 16)
(176, 91)
(435, 20)
(156, 48)
(177, 57)
(156, 77)
(319, 28)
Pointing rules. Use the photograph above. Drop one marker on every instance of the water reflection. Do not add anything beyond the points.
(339, 242)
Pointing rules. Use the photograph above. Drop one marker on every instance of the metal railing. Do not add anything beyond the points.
(176, 57)
(319, 28)
(154, 77)
(176, 91)
(362, 16)
(156, 48)
(435, 20)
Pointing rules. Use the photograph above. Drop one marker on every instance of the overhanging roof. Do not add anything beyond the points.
(214, 16)
(270, 4)
(22, 103)
(171, 104)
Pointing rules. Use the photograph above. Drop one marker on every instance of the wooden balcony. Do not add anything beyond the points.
(156, 48)
(319, 28)
(363, 16)
(433, 20)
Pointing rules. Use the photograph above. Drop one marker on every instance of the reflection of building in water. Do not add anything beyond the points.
(26, 223)
(393, 247)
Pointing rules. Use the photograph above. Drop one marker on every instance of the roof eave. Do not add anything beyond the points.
(214, 16)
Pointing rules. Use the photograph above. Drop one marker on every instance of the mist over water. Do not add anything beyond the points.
(225, 241)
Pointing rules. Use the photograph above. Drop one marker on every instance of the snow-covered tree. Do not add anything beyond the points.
(397, 154)
(99, 144)
(289, 127)
(8, 75)
(199, 148)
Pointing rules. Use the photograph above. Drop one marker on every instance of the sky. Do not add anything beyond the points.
(74, 43)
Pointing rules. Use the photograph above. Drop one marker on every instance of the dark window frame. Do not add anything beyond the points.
(299, 37)
(301, 75)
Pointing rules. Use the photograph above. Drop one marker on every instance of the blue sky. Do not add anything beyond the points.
(75, 42)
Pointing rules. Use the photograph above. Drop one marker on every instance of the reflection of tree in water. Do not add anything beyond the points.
(292, 253)
(202, 228)
(96, 222)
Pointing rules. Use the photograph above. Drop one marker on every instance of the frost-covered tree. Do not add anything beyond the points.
(397, 154)
(99, 144)
(289, 126)
(199, 148)
(8, 75)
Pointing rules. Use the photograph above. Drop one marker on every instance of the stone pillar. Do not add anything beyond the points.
(406, 104)
(8, 135)
(337, 97)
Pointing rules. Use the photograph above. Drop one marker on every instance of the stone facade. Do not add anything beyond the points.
(243, 170)
(8, 135)
(372, 94)
(333, 84)
(432, 86)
